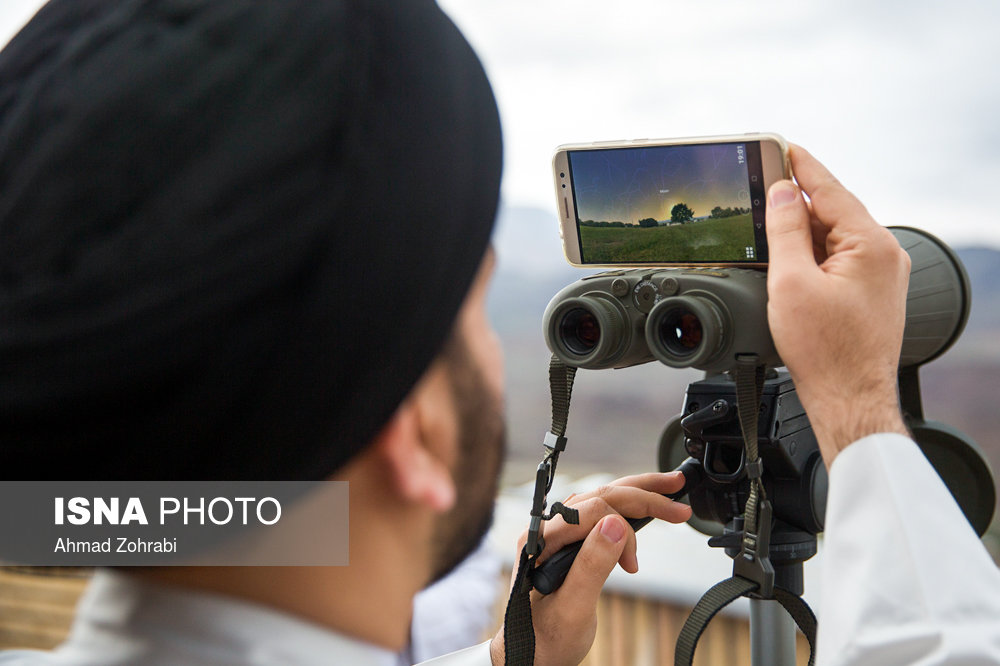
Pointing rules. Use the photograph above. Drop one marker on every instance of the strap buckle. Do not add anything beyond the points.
(553, 443)
(753, 561)
(543, 480)
(544, 475)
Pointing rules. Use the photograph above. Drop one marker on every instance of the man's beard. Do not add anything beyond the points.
(482, 444)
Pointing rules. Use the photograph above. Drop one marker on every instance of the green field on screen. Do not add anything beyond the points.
(711, 240)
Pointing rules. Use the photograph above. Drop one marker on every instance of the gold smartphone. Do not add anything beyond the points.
(691, 202)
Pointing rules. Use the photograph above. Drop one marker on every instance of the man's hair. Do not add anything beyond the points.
(482, 446)
(233, 234)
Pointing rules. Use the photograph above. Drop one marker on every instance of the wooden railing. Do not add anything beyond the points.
(633, 631)
(36, 606)
(36, 610)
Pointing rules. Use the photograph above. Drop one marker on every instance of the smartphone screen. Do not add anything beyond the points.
(685, 203)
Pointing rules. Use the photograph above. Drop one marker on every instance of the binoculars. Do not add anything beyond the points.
(703, 318)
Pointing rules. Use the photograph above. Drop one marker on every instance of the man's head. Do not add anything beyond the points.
(472, 358)
(430, 476)
(234, 235)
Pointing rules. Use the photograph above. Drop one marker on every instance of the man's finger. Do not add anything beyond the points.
(789, 230)
(592, 510)
(832, 203)
(819, 233)
(809, 172)
(598, 556)
(634, 503)
(655, 482)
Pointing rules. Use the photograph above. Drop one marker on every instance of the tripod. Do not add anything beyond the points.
(772, 631)
(718, 487)
(795, 480)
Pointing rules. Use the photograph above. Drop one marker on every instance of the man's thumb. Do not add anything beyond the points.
(598, 556)
(789, 235)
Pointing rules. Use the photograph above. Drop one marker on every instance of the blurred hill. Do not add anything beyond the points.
(617, 415)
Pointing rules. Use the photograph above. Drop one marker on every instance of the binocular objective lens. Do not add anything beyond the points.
(580, 331)
(681, 332)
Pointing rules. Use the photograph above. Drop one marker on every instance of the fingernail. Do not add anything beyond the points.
(613, 529)
(782, 194)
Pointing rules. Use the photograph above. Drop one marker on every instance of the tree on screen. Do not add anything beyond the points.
(648, 222)
(681, 213)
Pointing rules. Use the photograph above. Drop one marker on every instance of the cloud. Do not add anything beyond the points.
(897, 98)
(14, 14)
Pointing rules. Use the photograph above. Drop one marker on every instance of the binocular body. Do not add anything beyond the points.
(704, 317)
(684, 317)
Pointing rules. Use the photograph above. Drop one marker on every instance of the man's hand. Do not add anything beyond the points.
(836, 287)
(566, 621)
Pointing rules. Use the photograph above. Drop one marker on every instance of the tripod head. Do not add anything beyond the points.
(794, 475)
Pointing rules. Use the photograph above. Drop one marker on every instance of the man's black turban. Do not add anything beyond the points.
(233, 233)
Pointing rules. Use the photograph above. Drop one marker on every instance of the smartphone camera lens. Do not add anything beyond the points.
(580, 331)
(562, 174)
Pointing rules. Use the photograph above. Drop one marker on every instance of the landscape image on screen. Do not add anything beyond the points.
(664, 204)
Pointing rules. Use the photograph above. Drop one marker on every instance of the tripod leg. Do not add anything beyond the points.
(772, 634)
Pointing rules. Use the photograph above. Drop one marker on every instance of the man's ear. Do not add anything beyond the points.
(410, 449)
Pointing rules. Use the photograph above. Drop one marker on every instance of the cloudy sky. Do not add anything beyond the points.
(900, 98)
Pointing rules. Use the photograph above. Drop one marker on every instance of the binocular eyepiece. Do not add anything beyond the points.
(687, 330)
(703, 318)
(680, 316)
(592, 326)
(595, 330)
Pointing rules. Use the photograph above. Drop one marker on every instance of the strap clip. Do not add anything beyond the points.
(753, 562)
(536, 544)
(570, 515)
(754, 469)
(554, 443)
(543, 482)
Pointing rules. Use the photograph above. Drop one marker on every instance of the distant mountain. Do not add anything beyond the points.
(979, 341)
(527, 240)
(617, 415)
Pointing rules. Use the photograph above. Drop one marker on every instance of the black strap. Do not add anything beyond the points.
(803, 616)
(724, 593)
(752, 568)
(718, 597)
(518, 629)
(753, 558)
(561, 378)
